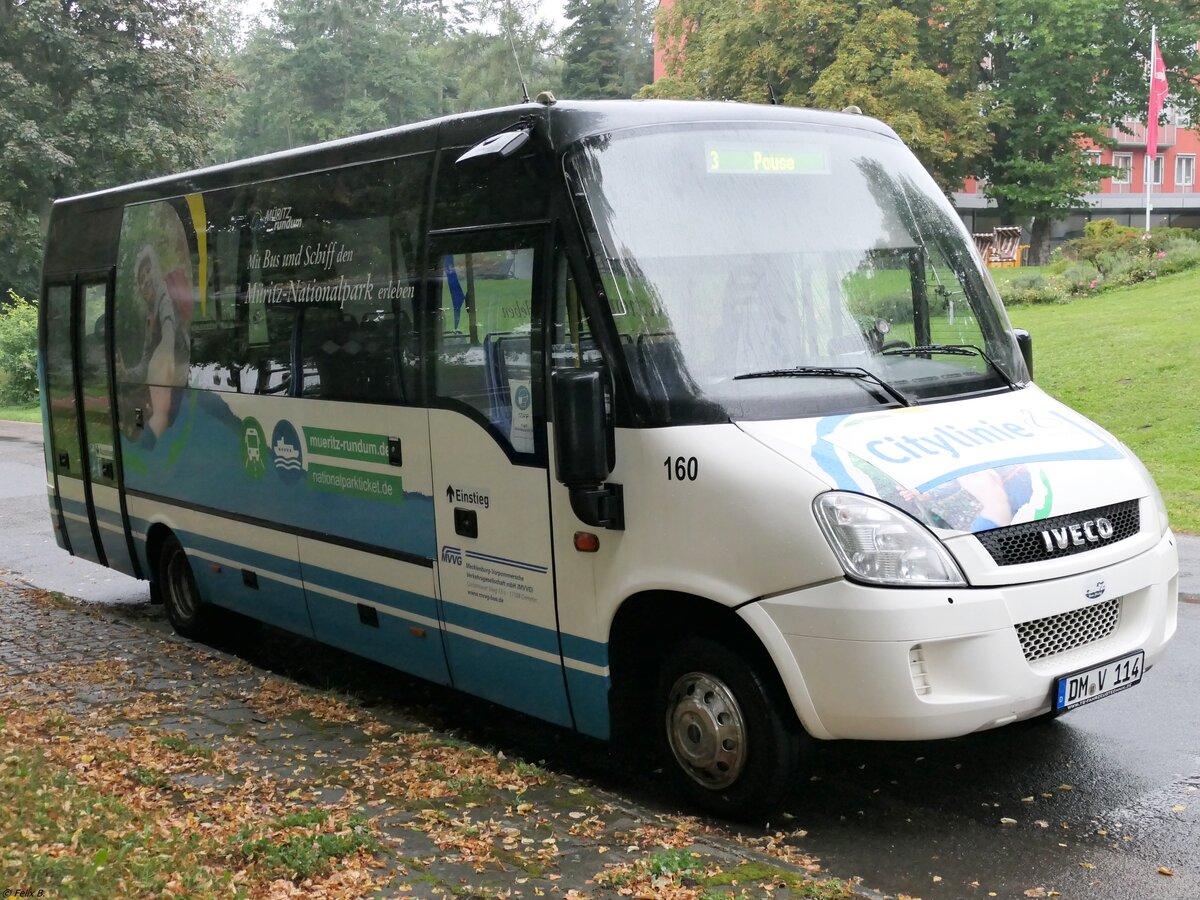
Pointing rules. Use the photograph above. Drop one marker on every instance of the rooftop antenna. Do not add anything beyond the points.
(517, 60)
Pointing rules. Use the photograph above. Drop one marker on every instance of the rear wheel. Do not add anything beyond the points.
(189, 615)
(727, 730)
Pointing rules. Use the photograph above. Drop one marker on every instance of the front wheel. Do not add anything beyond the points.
(727, 730)
(189, 615)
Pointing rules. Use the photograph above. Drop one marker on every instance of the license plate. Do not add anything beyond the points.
(1099, 681)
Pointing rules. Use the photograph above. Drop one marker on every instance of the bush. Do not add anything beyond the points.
(1105, 236)
(1034, 288)
(18, 351)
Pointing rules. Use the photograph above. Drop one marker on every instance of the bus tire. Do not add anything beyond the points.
(188, 614)
(726, 732)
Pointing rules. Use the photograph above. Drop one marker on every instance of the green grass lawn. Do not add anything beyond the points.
(1002, 275)
(21, 413)
(1129, 359)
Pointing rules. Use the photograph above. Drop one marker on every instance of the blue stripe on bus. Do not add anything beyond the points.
(281, 604)
(391, 642)
(523, 633)
(589, 702)
(527, 683)
(510, 678)
(585, 650)
(373, 591)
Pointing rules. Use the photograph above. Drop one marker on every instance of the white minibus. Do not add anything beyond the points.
(694, 423)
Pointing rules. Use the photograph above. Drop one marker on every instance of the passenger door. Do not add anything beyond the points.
(488, 448)
(82, 453)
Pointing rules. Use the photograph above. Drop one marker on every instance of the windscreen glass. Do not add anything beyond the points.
(778, 272)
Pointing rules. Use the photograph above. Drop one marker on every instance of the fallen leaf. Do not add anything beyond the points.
(1033, 892)
(1007, 821)
(1163, 870)
(1178, 807)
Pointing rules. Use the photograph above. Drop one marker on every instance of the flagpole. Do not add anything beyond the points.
(1151, 152)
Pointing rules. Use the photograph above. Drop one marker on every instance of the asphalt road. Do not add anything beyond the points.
(1097, 804)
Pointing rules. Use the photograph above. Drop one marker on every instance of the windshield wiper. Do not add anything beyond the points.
(856, 372)
(952, 350)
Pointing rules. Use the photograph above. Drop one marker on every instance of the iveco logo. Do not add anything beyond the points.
(1089, 532)
(1096, 591)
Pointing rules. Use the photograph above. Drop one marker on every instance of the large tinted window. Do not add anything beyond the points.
(311, 285)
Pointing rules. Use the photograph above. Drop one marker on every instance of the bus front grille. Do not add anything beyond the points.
(1032, 542)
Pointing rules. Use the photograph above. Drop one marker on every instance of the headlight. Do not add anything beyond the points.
(878, 543)
(1156, 496)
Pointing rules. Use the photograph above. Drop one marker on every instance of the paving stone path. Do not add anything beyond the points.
(451, 817)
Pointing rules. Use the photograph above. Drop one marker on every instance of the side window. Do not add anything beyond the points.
(310, 285)
(505, 192)
(338, 248)
(484, 328)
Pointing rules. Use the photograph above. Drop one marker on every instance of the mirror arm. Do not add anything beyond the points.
(601, 506)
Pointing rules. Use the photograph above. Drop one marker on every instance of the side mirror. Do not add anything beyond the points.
(581, 447)
(580, 437)
(1025, 345)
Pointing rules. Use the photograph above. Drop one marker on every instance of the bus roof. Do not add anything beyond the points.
(567, 122)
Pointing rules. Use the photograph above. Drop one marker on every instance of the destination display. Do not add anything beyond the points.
(770, 159)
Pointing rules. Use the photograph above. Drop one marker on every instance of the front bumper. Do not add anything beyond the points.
(914, 664)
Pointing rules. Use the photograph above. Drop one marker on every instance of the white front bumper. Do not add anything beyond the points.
(895, 664)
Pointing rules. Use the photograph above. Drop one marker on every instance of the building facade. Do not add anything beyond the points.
(1174, 198)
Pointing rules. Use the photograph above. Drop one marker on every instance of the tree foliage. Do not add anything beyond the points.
(323, 69)
(91, 95)
(18, 350)
(1064, 70)
(507, 43)
(608, 48)
(907, 62)
(1010, 90)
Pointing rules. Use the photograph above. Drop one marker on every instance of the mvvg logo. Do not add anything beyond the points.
(452, 556)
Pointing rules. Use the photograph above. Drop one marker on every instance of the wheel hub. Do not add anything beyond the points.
(706, 730)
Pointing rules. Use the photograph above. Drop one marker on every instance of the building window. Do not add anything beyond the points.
(1091, 157)
(1124, 165)
(1185, 171)
(1157, 171)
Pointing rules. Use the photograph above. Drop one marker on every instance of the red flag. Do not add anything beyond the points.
(1158, 93)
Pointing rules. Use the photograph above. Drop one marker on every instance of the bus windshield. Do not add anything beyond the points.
(771, 272)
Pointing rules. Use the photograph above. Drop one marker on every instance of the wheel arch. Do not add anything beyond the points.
(156, 537)
(642, 626)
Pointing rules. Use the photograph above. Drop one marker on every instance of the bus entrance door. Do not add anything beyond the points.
(490, 482)
(79, 405)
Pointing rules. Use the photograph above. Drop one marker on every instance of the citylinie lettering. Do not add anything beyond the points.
(945, 439)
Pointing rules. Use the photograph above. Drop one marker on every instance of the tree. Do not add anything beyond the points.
(324, 69)
(18, 350)
(907, 62)
(91, 95)
(1064, 70)
(507, 42)
(609, 48)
